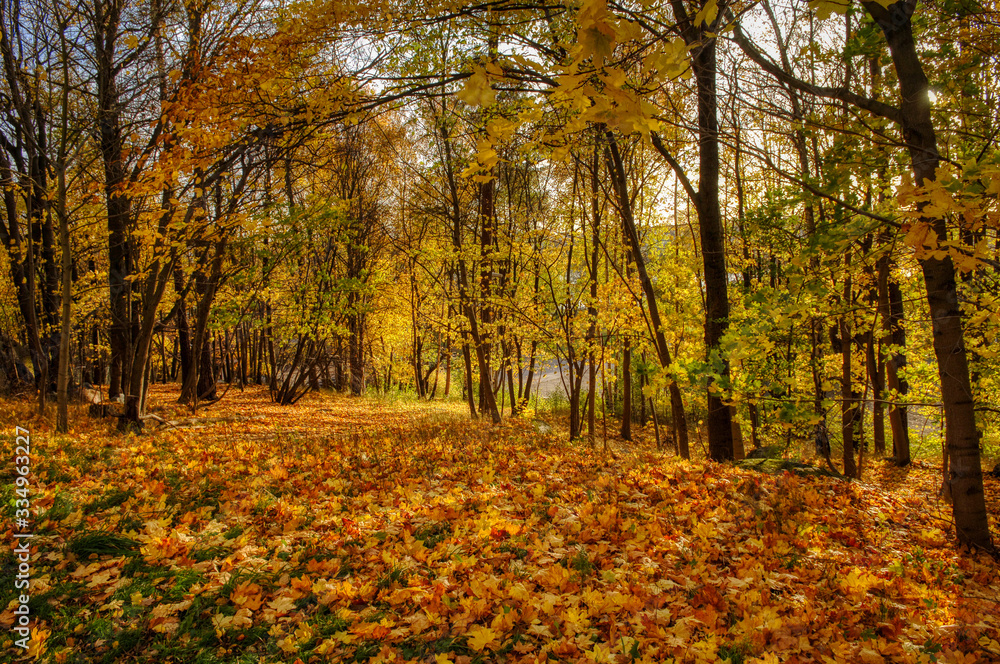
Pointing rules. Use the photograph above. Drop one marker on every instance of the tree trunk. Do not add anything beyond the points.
(617, 170)
(356, 352)
(627, 391)
(467, 367)
(713, 251)
(876, 374)
(846, 391)
(119, 205)
(965, 481)
(526, 399)
(656, 424)
(738, 450)
(21, 270)
(575, 383)
(447, 369)
(183, 335)
(895, 382)
(595, 241)
(62, 410)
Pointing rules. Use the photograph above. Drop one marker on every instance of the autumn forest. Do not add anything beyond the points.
(587, 331)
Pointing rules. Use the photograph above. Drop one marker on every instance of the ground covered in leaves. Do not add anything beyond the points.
(349, 530)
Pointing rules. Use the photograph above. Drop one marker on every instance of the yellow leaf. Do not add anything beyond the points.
(539, 629)
(596, 35)
(964, 262)
(767, 658)
(288, 644)
(600, 654)
(37, 646)
(480, 637)
(304, 633)
(824, 8)
(500, 128)
(282, 605)
(477, 90)
(707, 13)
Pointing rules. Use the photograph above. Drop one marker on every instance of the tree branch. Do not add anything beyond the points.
(842, 93)
(678, 171)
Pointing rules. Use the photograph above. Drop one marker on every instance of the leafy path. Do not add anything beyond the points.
(349, 530)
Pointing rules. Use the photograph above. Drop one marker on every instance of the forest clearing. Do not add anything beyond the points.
(360, 530)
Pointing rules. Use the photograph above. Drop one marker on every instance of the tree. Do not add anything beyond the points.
(913, 116)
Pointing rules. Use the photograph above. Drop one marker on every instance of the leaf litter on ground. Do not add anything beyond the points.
(360, 530)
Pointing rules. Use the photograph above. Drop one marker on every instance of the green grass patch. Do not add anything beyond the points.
(62, 507)
(433, 534)
(109, 500)
(102, 544)
(211, 553)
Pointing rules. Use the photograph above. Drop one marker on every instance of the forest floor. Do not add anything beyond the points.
(369, 530)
